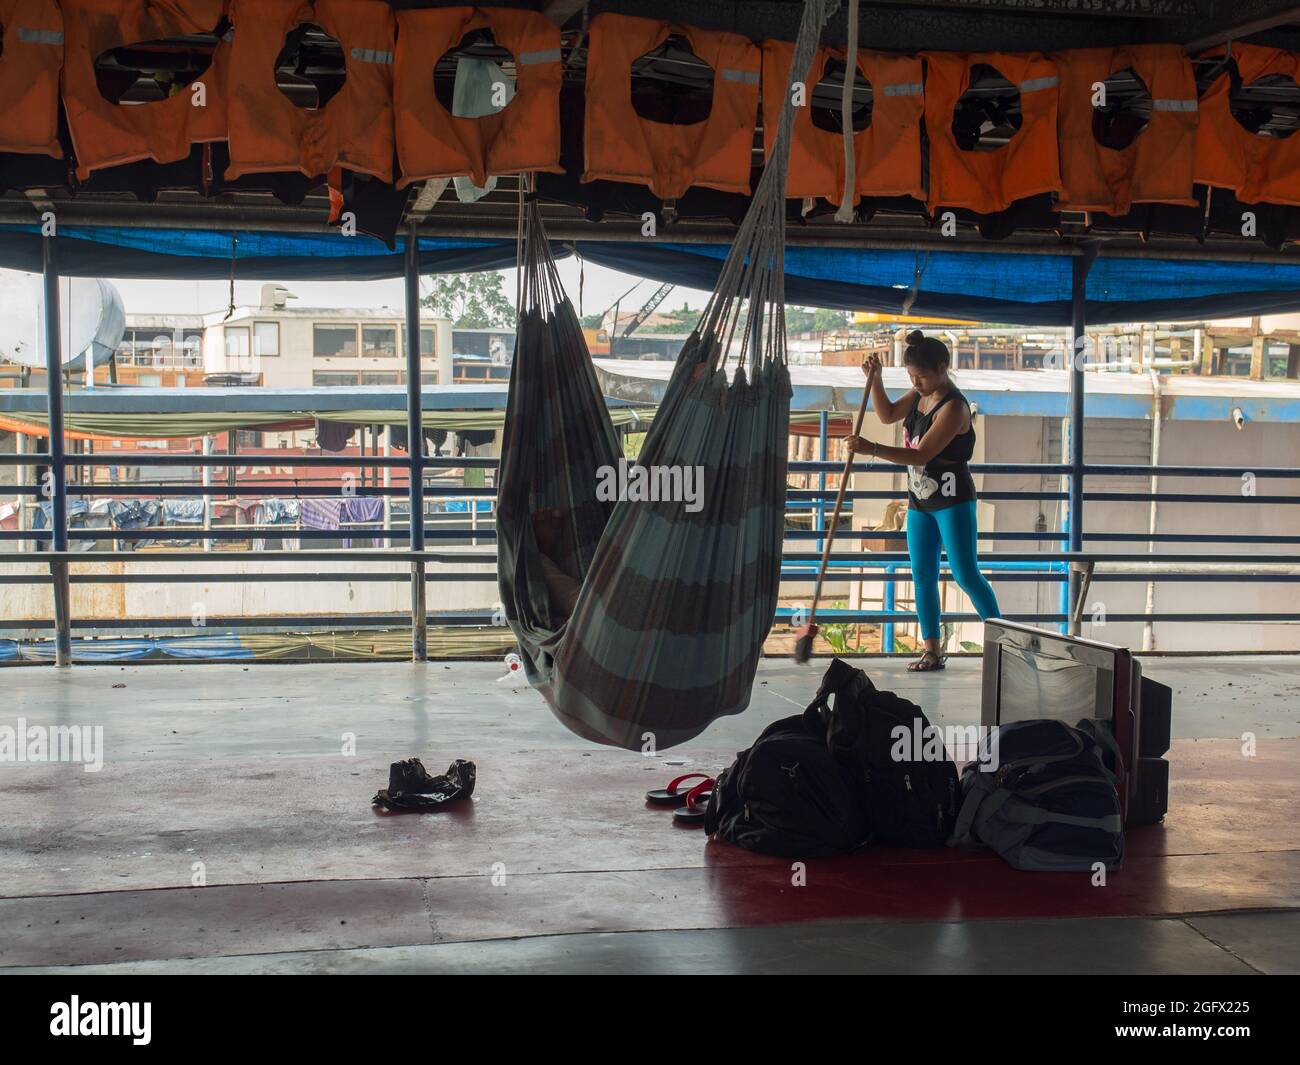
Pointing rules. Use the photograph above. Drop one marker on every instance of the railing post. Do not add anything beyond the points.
(823, 453)
(58, 485)
(1080, 265)
(415, 446)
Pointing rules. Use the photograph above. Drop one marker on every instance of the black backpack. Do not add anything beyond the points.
(1045, 796)
(788, 795)
(878, 736)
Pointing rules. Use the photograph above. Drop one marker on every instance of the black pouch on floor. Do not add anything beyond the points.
(787, 795)
(410, 787)
(910, 781)
(1041, 795)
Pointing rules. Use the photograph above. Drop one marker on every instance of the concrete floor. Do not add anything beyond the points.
(243, 779)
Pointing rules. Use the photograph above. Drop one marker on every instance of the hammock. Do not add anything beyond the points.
(642, 620)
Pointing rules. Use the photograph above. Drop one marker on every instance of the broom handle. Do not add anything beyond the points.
(839, 496)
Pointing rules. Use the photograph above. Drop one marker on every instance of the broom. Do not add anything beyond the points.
(804, 645)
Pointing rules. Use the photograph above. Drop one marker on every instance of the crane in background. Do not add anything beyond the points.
(604, 340)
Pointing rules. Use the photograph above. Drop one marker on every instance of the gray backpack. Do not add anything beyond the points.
(1042, 796)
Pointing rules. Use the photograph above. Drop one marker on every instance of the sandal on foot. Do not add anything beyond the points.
(929, 662)
(674, 794)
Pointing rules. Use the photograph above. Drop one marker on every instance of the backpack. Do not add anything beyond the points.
(787, 795)
(889, 744)
(1041, 795)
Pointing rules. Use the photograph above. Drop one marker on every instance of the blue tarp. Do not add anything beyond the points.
(111, 251)
(127, 649)
(996, 286)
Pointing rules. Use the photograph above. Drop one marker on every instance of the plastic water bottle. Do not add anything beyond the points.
(514, 671)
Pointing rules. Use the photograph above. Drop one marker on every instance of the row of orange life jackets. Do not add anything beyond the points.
(387, 108)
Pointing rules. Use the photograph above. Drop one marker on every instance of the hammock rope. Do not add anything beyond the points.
(641, 594)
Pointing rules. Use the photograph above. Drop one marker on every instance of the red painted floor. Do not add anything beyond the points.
(553, 842)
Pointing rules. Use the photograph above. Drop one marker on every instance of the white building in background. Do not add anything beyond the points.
(278, 346)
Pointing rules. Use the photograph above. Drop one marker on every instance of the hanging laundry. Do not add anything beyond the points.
(990, 181)
(354, 128)
(476, 140)
(182, 511)
(133, 513)
(333, 436)
(321, 513)
(275, 511)
(29, 76)
(361, 509)
(1139, 165)
(106, 134)
(669, 157)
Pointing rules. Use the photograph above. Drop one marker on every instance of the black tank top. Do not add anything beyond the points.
(945, 480)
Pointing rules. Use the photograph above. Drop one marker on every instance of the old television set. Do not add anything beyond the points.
(1032, 673)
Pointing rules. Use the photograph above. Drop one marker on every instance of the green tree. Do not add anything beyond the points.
(471, 301)
(813, 319)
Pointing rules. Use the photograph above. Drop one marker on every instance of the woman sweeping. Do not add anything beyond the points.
(939, 441)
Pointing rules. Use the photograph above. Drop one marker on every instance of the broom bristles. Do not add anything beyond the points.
(803, 647)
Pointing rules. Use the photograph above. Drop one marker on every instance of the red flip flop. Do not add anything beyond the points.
(674, 795)
(697, 799)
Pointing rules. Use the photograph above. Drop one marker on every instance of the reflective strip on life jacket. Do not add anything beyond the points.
(1157, 166)
(886, 155)
(1229, 156)
(1027, 165)
(354, 130)
(29, 76)
(623, 146)
(523, 137)
(106, 134)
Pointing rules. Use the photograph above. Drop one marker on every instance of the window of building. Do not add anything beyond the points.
(236, 341)
(428, 345)
(429, 378)
(379, 341)
(334, 380)
(267, 337)
(384, 378)
(192, 347)
(248, 438)
(334, 340)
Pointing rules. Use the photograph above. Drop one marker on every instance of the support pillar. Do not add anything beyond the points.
(57, 487)
(415, 446)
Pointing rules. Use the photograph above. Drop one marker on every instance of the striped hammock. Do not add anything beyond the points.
(641, 620)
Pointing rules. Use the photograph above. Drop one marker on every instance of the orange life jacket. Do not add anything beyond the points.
(623, 146)
(1156, 167)
(29, 76)
(1229, 156)
(354, 130)
(524, 137)
(105, 134)
(886, 155)
(1026, 166)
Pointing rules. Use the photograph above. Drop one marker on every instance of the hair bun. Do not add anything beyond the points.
(914, 337)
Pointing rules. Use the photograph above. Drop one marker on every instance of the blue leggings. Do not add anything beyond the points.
(952, 529)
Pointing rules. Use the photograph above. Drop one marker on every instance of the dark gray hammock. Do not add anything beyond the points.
(643, 621)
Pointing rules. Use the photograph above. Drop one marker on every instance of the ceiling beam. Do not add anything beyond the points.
(1234, 27)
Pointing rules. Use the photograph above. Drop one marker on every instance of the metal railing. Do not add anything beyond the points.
(1073, 567)
(1081, 568)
